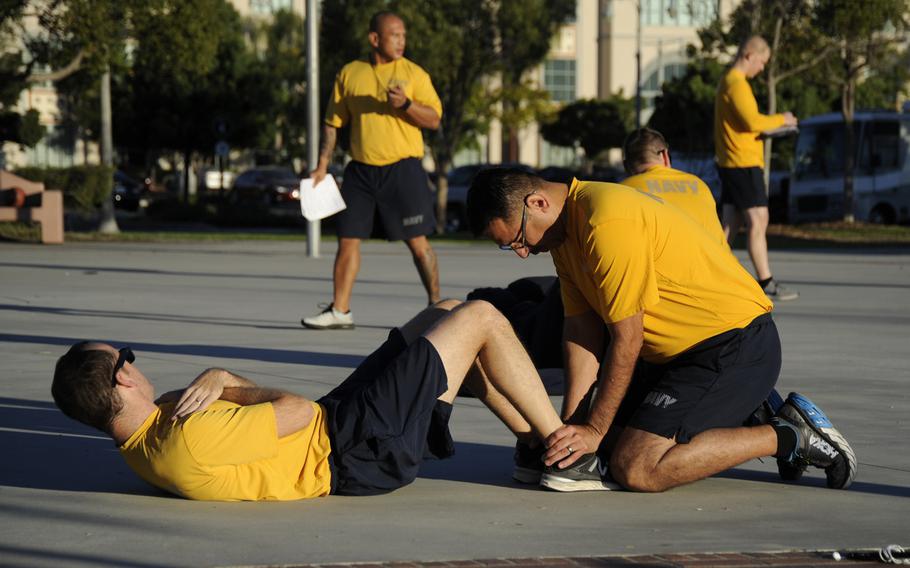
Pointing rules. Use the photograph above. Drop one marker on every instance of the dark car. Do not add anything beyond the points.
(272, 187)
(128, 193)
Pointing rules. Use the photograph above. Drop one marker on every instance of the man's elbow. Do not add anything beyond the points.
(433, 123)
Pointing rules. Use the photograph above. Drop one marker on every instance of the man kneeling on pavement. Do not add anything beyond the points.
(665, 288)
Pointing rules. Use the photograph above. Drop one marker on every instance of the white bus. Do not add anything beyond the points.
(881, 177)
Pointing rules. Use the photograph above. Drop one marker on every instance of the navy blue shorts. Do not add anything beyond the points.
(715, 384)
(385, 419)
(742, 187)
(399, 194)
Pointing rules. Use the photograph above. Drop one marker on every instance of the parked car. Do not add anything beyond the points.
(559, 174)
(276, 188)
(881, 182)
(128, 193)
(460, 179)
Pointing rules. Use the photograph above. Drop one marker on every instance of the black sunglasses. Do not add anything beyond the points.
(126, 356)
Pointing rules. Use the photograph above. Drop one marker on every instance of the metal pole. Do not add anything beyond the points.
(638, 67)
(313, 232)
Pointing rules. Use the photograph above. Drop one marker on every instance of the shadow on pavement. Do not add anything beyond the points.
(43, 449)
(817, 482)
(216, 351)
(483, 464)
(159, 272)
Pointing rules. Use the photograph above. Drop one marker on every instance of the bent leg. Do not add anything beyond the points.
(644, 461)
(757, 223)
(347, 265)
(476, 330)
(732, 221)
(425, 260)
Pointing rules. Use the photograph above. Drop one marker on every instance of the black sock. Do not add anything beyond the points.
(763, 283)
(786, 438)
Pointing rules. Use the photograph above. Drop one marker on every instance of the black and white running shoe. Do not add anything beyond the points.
(819, 443)
(528, 463)
(587, 474)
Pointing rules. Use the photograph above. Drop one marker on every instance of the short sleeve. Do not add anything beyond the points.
(233, 435)
(425, 93)
(573, 301)
(622, 264)
(337, 112)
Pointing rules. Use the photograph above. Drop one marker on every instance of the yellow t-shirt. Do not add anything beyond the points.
(684, 190)
(627, 251)
(378, 135)
(737, 123)
(231, 453)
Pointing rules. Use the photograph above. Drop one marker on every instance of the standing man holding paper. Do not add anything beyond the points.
(386, 101)
(739, 150)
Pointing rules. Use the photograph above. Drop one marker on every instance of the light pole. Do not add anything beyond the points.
(313, 231)
(638, 65)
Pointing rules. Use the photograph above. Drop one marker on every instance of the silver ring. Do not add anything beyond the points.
(571, 451)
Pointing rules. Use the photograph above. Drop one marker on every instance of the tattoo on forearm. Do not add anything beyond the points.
(328, 144)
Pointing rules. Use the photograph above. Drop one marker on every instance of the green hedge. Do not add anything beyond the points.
(84, 187)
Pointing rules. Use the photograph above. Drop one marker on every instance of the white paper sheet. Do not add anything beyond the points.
(321, 201)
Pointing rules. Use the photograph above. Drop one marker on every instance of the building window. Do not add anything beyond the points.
(651, 86)
(559, 79)
(683, 13)
(267, 7)
(561, 156)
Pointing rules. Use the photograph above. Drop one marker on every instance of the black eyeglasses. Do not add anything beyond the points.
(125, 356)
(524, 241)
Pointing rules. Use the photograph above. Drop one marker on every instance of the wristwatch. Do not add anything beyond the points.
(405, 106)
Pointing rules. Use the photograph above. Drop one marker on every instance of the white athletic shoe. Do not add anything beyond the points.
(329, 318)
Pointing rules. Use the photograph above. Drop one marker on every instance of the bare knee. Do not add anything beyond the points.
(448, 304)
(636, 476)
(487, 316)
(634, 466)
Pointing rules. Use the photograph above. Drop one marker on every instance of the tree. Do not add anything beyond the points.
(525, 31)
(190, 71)
(74, 36)
(684, 110)
(863, 33)
(593, 125)
(453, 41)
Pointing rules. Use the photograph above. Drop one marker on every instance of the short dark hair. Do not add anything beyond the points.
(82, 386)
(377, 18)
(497, 193)
(641, 147)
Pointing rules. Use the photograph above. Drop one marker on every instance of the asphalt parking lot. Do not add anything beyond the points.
(66, 498)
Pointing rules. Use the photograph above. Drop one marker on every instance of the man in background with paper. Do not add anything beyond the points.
(386, 101)
(739, 151)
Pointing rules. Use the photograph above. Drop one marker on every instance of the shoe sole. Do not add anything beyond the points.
(786, 298)
(567, 485)
(527, 475)
(331, 326)
(821, 425)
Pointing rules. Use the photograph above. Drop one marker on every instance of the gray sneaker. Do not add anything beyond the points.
(329, 318)
(587, 474)
(819, 443)
(528, 463)
(779, 292)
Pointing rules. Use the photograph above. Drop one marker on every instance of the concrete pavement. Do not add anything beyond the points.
(66, 498)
